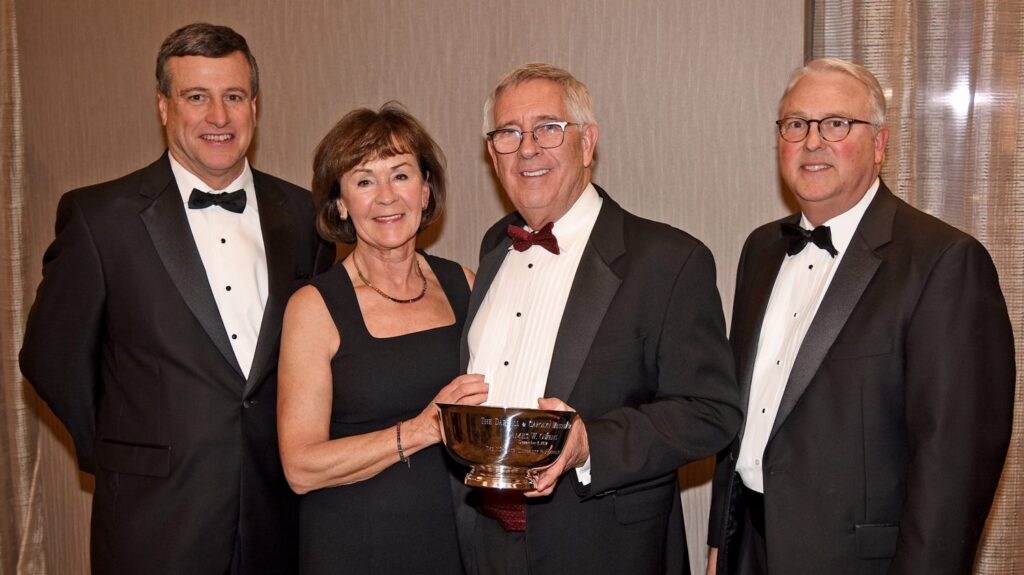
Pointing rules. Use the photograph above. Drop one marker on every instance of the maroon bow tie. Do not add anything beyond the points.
(522, 239)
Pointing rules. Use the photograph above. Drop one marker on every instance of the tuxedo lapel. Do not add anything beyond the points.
(853, 276)
(592, 291)
(167, 224)
(747, 335)
(490, 263)
(277, 244)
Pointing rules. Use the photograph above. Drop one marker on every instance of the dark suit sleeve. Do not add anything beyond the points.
(694, 412)
(959, 403)
(325, 255)
(724, 464)
(60, 355)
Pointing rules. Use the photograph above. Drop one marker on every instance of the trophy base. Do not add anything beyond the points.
(499, 477)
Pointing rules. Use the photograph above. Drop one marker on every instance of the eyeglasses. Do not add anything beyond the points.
(831, 129)
(549, 135)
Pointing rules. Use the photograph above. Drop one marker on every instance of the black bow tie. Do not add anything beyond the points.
(230, 201)
(522, 239)
(797, 238)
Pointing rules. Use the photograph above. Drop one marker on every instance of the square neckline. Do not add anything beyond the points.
(362, 317)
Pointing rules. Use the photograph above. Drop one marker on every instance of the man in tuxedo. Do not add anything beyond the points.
(580, 305)
(154, 333)
(875, 359)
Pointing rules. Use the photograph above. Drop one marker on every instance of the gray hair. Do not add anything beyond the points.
(577, 98)
(856, 71)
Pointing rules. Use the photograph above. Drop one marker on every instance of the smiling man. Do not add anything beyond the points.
(154, 333)
(579, 305)
(875, 360)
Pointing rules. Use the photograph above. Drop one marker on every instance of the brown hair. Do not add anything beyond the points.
(208, 40)
(362, 135)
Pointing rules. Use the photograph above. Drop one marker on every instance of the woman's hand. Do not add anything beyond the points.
(468, 389)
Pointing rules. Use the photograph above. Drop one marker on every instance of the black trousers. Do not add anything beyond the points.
(748, 551)
(499, 552)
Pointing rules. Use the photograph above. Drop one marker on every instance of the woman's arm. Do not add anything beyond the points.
(311, 460)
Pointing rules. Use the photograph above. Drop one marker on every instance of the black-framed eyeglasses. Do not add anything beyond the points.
(546, 135)
(831, 129)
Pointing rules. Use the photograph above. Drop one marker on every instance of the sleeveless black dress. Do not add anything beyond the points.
(400, 521)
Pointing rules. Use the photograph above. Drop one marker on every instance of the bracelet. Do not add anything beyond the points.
(398, 440)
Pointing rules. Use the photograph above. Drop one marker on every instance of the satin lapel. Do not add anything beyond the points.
(747, 335)
(168, 228)
(489, 266)
(592, 291)
(278, 238)
(853, 276)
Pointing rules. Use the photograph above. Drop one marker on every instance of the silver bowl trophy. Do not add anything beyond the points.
(501, 444)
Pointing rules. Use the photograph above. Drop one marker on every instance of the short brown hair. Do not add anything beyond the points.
(208, 40)
(363, 135)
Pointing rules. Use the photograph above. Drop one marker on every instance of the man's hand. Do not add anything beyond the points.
(575, 452)
(712, 561)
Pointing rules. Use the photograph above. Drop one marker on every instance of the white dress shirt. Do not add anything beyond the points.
(513, 334)
(231, 247)
(799, 288)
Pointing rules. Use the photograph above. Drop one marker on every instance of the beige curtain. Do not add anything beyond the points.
(21, 520)
(953, 76)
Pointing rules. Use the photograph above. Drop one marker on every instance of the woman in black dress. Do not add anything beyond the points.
(366, 350)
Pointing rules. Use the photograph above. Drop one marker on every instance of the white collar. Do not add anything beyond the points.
(845, 224)
(187, 181)
(576, 223)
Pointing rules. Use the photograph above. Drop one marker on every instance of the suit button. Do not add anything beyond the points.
(248, 403)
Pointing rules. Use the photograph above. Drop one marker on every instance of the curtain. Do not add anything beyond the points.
(952, 72)
(21, 530)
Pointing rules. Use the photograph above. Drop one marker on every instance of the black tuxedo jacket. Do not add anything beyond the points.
(641, 354)
(894, 423)
(127, 347)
